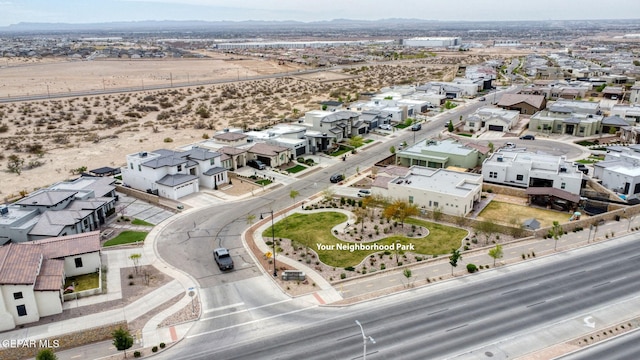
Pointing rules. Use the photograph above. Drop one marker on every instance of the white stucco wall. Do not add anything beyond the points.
(28, 300)
(90, 262)
(49, 302)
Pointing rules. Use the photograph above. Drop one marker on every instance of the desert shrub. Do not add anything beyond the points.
(471, 268)
(168, 140)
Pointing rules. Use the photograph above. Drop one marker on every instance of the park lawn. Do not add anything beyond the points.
(295, 169)
(313, 229)
(513, 214)
(83, 282)
(140, 222)
(127, 237)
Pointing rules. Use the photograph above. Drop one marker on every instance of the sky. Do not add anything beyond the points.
(99, 11)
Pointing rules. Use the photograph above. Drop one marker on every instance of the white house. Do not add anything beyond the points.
(620, 172)
(532, 170)
(452, 192)
(492, 119)
(32, 275)
(174, 174)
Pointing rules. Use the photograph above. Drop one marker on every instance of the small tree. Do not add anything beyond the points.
(407, 273)
(293, 194)
(122, 340)
(251, 219)
(136, 261)
(496, 253)
(454, 258)
(450, 126)
(46, 354)
(356, 141)
(15, 164)
(487, 229)
(392, 149)
(556, 232)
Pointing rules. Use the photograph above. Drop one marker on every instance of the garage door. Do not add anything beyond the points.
(184, 190)
(496, 128)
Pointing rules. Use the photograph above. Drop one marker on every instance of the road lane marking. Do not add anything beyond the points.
(246, 310)
(601, 284)
(224, 307)
(437, 312)
(510, 291)
(250, 322)
(457, 327)
(538, 303)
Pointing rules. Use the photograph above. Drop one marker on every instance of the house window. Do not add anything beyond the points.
(22, 310)
(563, 185)
(78, 261)
(139, 167)
(559, 127)
(410, 199)
(472, 124)
(131, 165)
(85, 222)
(493, 175)
(17, 295)
(435, 204)
(519, 177)
(179, 167)
(211, 162)
(581, 129)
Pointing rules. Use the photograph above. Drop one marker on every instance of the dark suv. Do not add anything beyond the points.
(527, 137)
(256, 164)
(336, 178)
(223, 259)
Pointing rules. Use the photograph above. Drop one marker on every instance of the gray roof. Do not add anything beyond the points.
(47, 197)
(215, 170)
(200, 154)
(166, 160)
(614, 120)
(52, 223)
(571, 120)
(176, 179)
(339, 115)
(532, 224)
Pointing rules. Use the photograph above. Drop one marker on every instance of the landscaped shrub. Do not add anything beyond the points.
(136, 354)
(162, 345)
(154, 349)
(350, 268)
(471, 268)
(343, 276)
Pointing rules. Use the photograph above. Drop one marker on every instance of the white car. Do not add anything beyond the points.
(364, 192)
(510, 145)
(385, 127)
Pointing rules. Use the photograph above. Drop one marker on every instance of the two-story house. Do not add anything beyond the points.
(174, 174)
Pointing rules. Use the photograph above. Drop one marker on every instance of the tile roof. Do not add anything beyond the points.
(230, 136)
(47, 197)
(267, 150)
(514, 99)
(77, 244)
(229, 150)
(50, 277)
(175, 180)
(19, 264)
(215, 170)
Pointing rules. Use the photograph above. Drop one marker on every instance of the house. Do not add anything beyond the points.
(613, 124)
(65, 208)
(620, 172)
(271, 155)
(525, 104)
(174, 174)
(576, 118)
(440, 154)
(452, 192)
(634, 94)
(492, 119)
(630, 113)
(338, 125)
(540, 174)
(32, 275)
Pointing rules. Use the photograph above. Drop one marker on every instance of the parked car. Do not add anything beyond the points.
(510, 145)
(336, 178)
(482, 99)
(256, 164)
(416, 127)
(364, 192)
(386, 127)
(527, 137)
(223, 259)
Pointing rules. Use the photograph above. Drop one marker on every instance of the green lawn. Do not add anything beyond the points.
(340, 151)
(140, 222)
(313, 229)
(295, 169)
(83, 282)
(127, 237)
(368, 141)
(263, 182)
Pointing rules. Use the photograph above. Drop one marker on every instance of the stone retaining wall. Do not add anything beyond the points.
(63, 342)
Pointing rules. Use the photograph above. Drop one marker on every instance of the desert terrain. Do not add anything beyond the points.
(55, 138)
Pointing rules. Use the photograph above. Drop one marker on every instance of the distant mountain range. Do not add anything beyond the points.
(171, 25)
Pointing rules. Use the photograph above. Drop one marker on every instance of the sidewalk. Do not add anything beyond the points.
(151, 334)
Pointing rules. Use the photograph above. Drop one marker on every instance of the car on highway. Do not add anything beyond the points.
(386, 127)
(223, 259)
(527, 137)
(364, 192)
(256, 164)
(336, 178)
(416, 127)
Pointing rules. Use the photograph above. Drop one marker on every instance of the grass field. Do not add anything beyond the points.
(140, 222)
(127, 237)
(313, 229)
(83, 282)
(295, 169)
(512, 214)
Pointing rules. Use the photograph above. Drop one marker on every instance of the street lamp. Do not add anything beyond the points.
(273, 241)
(364, 341)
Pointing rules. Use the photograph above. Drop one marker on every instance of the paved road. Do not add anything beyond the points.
(623, 347)
(498, 314)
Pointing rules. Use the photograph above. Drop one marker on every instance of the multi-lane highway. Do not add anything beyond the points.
(498, 314)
